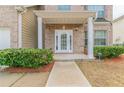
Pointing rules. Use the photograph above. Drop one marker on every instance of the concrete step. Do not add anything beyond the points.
(75, 60)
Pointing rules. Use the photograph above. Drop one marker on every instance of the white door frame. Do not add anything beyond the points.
(59, 32)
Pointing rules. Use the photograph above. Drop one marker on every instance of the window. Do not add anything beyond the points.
(64, 7)
(64, 42)
(57, 42)
(97, 8)
(86, 38)
(70, 42)
(100, 38)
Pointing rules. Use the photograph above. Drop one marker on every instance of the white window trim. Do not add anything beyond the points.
(101, 38)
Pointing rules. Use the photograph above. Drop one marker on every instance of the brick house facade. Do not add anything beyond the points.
(37, 26)
(9, 19)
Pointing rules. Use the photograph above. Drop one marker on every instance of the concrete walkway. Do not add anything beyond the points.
(66, 74)
(23, 79)
(8, 79)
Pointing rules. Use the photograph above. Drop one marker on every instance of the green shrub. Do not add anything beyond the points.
(22, 57)
(108, 51)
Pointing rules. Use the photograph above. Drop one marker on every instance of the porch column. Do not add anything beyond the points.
(40, 33)
(90, 38)
(19, 30)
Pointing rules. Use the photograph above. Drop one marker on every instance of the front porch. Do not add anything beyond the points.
(70, 57)
(63, 32)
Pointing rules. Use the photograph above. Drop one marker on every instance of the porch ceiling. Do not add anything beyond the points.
(60, 17)
(63, 20)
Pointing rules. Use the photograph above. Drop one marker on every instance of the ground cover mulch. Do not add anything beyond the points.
(118, 59)
(45, 68)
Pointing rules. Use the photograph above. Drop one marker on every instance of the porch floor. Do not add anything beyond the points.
(70, 57)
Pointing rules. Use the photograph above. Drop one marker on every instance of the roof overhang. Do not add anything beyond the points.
(102, 23)
(118, 19)
(64, 16)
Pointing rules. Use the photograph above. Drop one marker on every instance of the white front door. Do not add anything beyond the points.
(63, 41)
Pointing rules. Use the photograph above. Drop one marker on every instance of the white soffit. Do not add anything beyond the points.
(63, 20)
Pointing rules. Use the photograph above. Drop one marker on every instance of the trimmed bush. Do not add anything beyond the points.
(32, 58)
(108, 51)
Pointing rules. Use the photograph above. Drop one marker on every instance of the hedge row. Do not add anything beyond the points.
(108, 51)
(31, 58)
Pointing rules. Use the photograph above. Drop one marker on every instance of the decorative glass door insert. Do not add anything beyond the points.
(63, 41)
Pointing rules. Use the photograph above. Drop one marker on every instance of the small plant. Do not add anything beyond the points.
(99, 55)
(32, 58)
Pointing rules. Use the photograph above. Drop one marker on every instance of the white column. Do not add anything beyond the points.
(90, 38)
(40, 33)
(19, 30)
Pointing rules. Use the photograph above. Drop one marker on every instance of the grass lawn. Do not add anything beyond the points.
(103, 74)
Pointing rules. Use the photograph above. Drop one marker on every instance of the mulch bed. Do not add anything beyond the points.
(45, 68)
(118, 59)
(115, 59)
